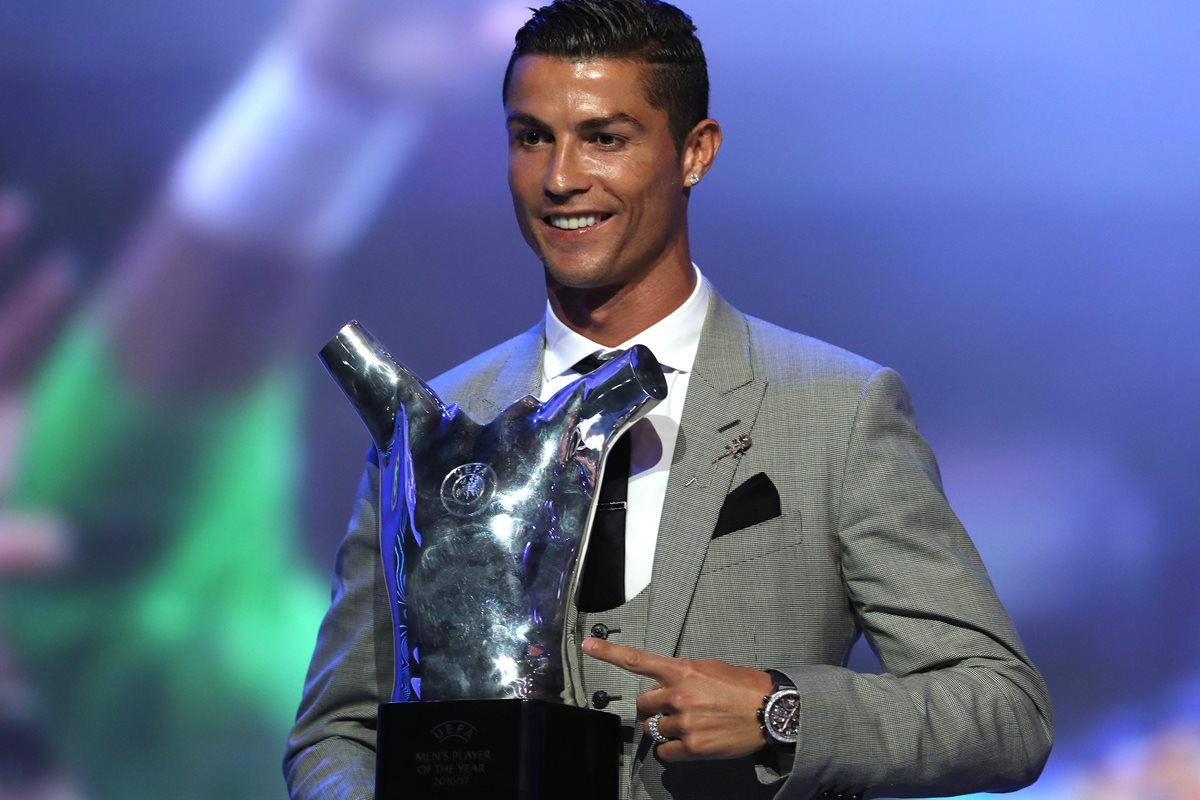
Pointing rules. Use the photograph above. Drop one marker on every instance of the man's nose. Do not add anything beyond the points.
(567, 173)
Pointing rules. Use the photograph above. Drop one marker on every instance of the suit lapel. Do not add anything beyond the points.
(722, 403)
(723, 399)
(496, 385)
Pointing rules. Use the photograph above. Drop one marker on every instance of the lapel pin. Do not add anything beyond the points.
(739, 446)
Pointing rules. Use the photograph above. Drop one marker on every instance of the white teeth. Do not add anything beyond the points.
(573, 223)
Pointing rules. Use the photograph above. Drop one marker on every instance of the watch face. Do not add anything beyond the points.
(782, 716)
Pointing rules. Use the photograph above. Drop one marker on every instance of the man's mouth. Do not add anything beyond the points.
(574, 223)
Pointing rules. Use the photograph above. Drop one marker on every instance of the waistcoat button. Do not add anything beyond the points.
(601, 698)
(601, 631)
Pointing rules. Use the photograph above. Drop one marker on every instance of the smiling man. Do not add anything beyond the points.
(600, 186)
(779, 502)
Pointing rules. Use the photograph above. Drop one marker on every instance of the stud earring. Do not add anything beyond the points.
(694, 179)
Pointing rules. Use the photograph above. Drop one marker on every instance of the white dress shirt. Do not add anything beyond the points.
(673, 340)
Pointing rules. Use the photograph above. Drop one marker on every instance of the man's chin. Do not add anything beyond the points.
(579, 277)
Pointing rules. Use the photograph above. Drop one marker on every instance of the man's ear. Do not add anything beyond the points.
(700, 150)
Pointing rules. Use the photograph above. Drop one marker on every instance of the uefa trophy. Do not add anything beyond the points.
(483, 531)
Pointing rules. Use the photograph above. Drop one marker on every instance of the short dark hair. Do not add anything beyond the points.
(648, 31)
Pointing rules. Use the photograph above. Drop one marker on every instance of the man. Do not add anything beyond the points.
(780, 499)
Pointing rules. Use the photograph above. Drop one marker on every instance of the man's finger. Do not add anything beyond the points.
(676, 747)
(654, 700)
(639, 662)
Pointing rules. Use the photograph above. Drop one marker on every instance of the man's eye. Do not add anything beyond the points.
(607, 140)
(532, 138)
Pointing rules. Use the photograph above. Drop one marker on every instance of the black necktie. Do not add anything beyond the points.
(603, 585)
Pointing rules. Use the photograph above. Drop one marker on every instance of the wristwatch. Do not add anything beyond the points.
(780, 712)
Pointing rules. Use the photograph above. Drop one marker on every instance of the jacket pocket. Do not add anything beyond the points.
(749, 544)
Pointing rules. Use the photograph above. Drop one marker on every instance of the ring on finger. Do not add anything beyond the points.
(655, 735)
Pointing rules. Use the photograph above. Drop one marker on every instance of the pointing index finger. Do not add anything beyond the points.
(640, 662)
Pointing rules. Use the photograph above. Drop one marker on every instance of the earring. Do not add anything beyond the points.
(694, 179)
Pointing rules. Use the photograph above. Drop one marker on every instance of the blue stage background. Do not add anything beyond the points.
(998, 199)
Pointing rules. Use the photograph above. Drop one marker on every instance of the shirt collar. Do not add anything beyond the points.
(674, 339)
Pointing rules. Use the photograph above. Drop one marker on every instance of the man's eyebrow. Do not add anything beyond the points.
(528, 120)
(597, 123)
(590, 124)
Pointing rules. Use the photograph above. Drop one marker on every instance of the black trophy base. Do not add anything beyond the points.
(496, 749)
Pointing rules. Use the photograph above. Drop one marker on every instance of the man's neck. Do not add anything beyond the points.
(611, 315)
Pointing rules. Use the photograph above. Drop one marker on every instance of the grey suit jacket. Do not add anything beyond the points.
(866, 542)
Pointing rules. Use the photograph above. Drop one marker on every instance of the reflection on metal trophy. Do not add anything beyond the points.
(483, 528)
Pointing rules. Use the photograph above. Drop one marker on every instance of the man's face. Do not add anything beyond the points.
(596, 180)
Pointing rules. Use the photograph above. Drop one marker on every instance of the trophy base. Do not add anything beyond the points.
(496, 749)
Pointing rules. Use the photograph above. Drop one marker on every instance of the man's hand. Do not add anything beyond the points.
(708, 707)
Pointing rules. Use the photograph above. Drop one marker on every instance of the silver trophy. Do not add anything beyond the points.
(484, 527)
